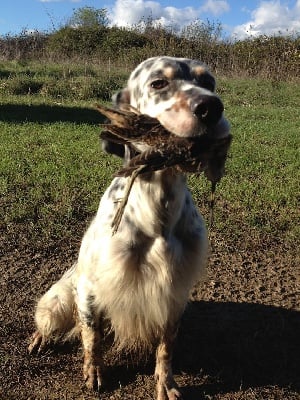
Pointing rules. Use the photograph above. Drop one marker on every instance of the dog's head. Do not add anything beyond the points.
(179, 92)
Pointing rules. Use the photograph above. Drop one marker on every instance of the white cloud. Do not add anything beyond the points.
(215, 7)
(271, 18)
(130, 12)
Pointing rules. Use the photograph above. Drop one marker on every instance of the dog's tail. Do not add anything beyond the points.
(55, 314)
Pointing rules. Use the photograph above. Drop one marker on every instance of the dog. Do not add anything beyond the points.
(139, 278)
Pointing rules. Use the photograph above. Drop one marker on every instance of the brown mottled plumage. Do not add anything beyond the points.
(187, 154)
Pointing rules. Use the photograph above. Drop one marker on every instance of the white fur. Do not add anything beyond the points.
(139, 278)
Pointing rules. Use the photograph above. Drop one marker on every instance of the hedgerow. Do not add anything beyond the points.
(274, 57)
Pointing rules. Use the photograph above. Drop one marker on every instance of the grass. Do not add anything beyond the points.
(52, 175)
(53, 172)
(261, 188)
(62, 82)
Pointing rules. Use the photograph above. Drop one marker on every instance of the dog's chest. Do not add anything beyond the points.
(154, 254)
(150, 242)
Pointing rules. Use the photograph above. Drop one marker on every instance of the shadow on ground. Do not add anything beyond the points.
(225, 347)
(242, 344)
(45, 114)
(222, 347)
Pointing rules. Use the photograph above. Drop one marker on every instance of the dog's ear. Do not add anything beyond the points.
(207, 81)
(119, 98)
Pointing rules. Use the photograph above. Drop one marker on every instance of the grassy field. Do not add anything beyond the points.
(52, 175)
(53, 170)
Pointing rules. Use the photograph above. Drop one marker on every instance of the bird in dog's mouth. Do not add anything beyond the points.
(156, 148)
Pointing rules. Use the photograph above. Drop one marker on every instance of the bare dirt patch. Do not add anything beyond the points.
(239, 337)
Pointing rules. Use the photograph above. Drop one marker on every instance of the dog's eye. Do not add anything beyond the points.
(159, 84)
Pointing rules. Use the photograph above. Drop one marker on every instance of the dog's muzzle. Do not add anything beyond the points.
(208, 109)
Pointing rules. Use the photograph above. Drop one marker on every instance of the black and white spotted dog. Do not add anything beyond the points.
(139, 278)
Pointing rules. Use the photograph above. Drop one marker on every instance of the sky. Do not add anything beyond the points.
(239, 19)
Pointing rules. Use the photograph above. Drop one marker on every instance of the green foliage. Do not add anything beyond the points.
(88, 17)
(21, 86)
(280, 58)
(88, 37)
(120, 40)
(204, 32)
(83, 34)
(71, 42)
(23, 46)
(102, 41)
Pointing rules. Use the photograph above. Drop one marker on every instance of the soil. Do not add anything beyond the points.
(239, 337)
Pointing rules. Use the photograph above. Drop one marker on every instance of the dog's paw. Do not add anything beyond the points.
(93, 378)
(174, 394)
(168, 394)
(37, 343)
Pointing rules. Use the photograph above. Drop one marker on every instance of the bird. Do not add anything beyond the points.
(195, 154)
(165, 149)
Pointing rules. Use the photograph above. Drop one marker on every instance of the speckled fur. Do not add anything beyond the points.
(139, 278)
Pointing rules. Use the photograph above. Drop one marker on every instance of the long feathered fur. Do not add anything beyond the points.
(121, 279)
(138, 278)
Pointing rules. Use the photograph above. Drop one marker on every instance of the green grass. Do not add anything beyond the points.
(63, 82)
(261, 188)
(52, 175)
(53, 172)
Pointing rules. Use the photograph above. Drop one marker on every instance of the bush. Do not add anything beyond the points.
(82, 41)
(272, 57)
(120, 40)
(280, 60)
(23, 46)
(101, 88)
(22, 86)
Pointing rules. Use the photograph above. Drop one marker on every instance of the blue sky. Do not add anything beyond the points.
(239, 18)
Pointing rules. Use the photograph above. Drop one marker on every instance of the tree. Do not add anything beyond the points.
(88, 17)
(207, 32)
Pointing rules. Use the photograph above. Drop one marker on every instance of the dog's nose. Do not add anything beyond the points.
(208, 109)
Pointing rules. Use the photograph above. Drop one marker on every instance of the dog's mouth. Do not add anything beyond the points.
(195, 116)
(184, 123)
(220, 130)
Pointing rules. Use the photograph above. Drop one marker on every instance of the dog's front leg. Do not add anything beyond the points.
(92, 364)
(91, 335)
(166, 385)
